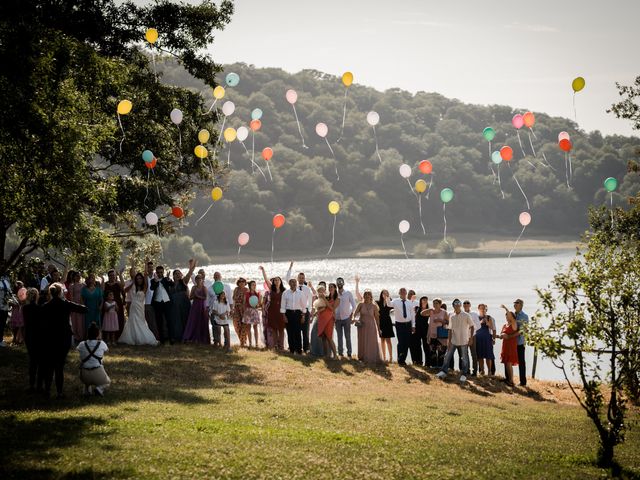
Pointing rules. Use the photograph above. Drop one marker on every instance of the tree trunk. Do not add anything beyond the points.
(605, 452)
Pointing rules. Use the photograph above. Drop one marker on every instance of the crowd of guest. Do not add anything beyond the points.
(154, 306)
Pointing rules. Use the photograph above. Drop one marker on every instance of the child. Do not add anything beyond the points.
(17, 321)
(251, 316)
(92, 371)
(110, 319)
(221, 317)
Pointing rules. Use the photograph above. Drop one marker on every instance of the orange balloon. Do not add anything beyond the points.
(278, 220)
(529, 119)
(506, 153)
(267, 153)
(151, 164)
(177, 212)
(425, 167)
(565, 145)
(255, 125)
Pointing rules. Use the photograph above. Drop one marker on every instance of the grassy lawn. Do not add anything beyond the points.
(193, 412)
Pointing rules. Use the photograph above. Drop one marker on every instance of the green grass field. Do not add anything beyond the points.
(194, 412)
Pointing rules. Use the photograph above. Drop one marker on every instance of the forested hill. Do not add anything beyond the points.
(373, 196)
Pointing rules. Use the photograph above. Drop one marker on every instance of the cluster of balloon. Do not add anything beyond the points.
(347, 80)
(243, 239)
(150, 161)
(518, 122)
(489, 134)
(254, 125)
(322, 130)
(292, 97)
(278, 222)
(564, 144)
(496, 158)
(267, 155)
(228, 108)
(334, 208)
(218, 94)
(404, 226)
(426, 167)
(405, 172)
(610, 185)
(524, 219)
(123, 108)
(446, 195)
(216, 196)
(151, 35)
(176, 119)
(373, 119)
(577, 85)
(506, 153)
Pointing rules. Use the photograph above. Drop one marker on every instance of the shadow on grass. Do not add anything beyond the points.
(338, 365)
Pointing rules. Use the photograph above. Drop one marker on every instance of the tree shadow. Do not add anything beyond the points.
(338, 365)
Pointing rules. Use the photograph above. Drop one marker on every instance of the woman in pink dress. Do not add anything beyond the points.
(251, 315)
(369, 350)
(75, 295)
(325, 309)
(197, 329)
(110, 310)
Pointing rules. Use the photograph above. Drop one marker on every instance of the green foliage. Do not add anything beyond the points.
(177, 249)
(448, 246)
(628, 108)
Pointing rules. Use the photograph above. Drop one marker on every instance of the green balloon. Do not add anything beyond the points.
(446, 195)
(218, 288)
(489, 134)
(610, 184)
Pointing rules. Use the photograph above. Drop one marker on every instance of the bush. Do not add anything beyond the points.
(448, 246)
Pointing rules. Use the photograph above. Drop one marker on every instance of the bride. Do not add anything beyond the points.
(136, 331)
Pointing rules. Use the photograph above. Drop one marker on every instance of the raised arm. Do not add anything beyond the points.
(359, 296)
(264, 275)
(192, 266)
(288, 275)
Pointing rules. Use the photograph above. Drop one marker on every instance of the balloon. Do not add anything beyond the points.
(489, 134)
(517, 121)
(291, 96)
(496, 157)
(405, 170)
(610, 184)
(525, 219)
(200, 151)
(446, 195)
(218, 92)
(334, 207)
(278, 220)
(218, 287)
(151, 218)
(529, 119)
(152, 164)
(253, 301)
(403, 226)
(256, 114)
(230, 134)
(242, 133)
(425, 167)
(22, 294)
(176, 116)
(232, 79)
(267, 153)
(347, 79)
(506, 153)
(177, 212)
(563, 135)
(124, 107)
(373, 118)
(322, 129)
(147, 156)
(203, 135)
(255, 125)
(421, 186)
(228, 108)
(578, 84)
(151, 35)
(565, 145)
(216, 194)
(243, 239)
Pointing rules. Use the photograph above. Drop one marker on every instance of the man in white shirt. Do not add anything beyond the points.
(162, 305)
(460, 329)
(404, 311)
(212, 296)
(307, 293)
(466, 305)
(344, 316)
(293, 305)
(149, 312)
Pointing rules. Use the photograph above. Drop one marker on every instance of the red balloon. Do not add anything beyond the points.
(151, 164)
(278, 220)
(255, 125)
(177, 212)
(425, 167)
(506, 153)
(267, 153)
(565, 145)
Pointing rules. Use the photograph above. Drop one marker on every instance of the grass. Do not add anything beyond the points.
(194, 412)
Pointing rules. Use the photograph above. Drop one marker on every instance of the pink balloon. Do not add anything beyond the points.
(243, 239)
(563, 135)
(525, 219)
(322, 129)
(291, 96)
(517, 121)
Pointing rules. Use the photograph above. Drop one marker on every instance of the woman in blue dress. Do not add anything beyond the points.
(485, 338)
(92, 297)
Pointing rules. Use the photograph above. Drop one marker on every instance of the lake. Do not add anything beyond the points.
(493, 281)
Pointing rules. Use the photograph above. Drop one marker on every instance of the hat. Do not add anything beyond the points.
(456, 302)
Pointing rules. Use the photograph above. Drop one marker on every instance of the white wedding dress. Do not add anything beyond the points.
(136, 331)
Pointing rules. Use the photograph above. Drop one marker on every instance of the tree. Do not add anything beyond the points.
(628, 108)
(69, 183)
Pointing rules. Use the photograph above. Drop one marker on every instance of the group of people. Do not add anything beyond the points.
(155, 307)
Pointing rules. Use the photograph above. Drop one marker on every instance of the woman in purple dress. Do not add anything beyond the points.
(197, 329)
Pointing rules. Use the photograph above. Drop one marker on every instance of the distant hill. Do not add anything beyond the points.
(373, 196)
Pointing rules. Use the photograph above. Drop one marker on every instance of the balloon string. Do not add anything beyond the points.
(376, 139)
(547, 162)
(517, 240)
(273, 236)
(253, 164)
(224, 119)
(147, 194)
(268, 170)
(566, 169)
(492, 171)
(298, 122)
(253, 151)
(203, 215)
(239, 247)
(518, 183)
(229, 155)
(403, 247)
(531, 143)
(411, 187)
(179, 143)
(612, 209)
(334, 156)
(333, 235)
(424, 232)
(533, 133)
(245, 148)
(429, 187)
(153, 58)
(122, 129)
(211, 107)
(575, 115)
(520, 142)
(570, 168)
(344, 113)
(444, 215)
(157, 188)
(500, 183)
(159, 242)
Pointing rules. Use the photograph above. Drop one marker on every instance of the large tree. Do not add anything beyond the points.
(68, 182)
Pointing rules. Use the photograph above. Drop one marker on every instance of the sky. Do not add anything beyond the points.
(523, 54)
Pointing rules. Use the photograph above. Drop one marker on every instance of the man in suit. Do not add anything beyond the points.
(161, 286)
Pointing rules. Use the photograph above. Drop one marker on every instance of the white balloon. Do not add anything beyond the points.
(176, 116)
(151, 218)
(242, 133)
(322, 129)
(373, 118)
(228, 108)
(405, 170)
(403, 226)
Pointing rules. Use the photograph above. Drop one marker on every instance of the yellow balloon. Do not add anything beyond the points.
(421, 186)
(578, 84)
(151, 35)
(334, 207)
(230, 134)
(216, 194)
(200, 151)
(124, 107)
(347, 79)
(203, 135)
(218, 92)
